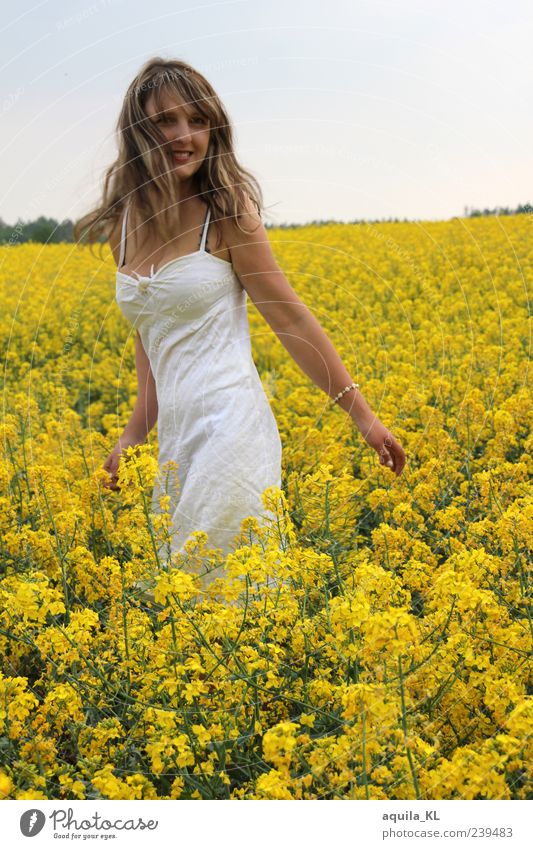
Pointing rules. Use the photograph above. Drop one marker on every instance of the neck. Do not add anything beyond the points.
(187, 190)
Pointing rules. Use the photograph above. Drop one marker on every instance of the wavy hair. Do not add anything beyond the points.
(141, 171)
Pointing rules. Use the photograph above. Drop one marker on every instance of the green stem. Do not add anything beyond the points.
(405, 730)
(365, 773)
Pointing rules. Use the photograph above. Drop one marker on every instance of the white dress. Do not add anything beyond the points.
(214, 419)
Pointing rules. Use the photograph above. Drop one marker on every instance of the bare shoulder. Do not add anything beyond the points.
(249, 220)
(248, 242)
(259, 273)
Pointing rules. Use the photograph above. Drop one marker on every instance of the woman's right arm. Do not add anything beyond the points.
(145, 409)
(142, 419)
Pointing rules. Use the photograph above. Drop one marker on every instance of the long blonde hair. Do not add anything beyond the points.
(141, 171)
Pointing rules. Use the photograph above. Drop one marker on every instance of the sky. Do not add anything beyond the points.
(342, 109)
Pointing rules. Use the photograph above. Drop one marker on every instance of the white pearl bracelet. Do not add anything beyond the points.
(346, 389)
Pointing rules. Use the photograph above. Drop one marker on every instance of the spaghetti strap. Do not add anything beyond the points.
(204, 233)
(122, 256)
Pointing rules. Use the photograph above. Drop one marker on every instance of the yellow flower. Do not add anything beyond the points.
(177, 583)
(6, 785)
(391, 630)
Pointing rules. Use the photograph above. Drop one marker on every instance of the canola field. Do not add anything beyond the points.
(391, 658)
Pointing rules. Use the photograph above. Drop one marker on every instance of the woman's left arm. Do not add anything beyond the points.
(301, 334)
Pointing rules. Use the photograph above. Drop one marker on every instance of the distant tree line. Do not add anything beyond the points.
(49, 231)
(44, 230)
(521, 209)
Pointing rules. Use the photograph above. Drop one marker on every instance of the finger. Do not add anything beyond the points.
(385, 457)
(395, 453)
(112, 479)
(399, 460)
(401, 466)
(399, 456)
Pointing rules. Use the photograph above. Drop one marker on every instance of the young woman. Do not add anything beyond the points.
(183, 286)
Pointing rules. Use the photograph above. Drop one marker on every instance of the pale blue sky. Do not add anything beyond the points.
(356, 109)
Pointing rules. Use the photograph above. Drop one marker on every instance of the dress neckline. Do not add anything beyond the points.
(176, 259)
(135, 276)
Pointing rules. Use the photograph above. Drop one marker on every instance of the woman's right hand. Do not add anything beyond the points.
(112, 463)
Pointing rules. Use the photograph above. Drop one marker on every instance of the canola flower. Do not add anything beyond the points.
(373, 640)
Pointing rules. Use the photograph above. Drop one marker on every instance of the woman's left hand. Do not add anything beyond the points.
(390, 452)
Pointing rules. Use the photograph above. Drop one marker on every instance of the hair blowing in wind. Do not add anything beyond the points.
(143, 172)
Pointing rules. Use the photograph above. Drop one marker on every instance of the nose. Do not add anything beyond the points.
(183, 131)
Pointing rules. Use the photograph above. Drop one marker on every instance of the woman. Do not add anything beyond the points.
(183, 286)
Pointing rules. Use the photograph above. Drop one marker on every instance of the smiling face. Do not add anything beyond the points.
(185, 129)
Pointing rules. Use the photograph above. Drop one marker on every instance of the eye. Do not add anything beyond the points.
(167, 119)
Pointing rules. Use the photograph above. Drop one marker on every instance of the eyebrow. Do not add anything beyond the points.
(173, 109)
